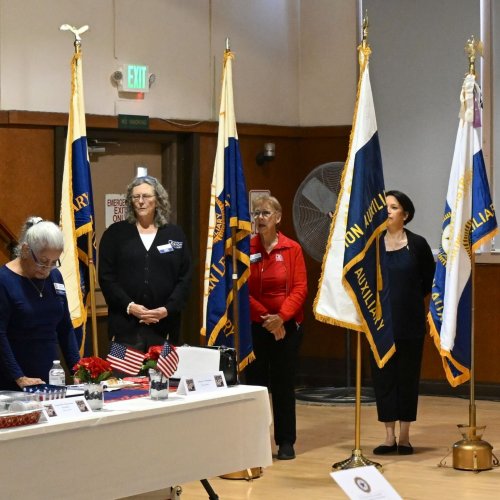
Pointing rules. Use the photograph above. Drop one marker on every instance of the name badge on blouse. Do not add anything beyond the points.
(176, 244)
(165, 248)
(279, 257)
(60, 289)
(256, 257)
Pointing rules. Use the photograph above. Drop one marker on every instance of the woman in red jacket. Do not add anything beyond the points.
(278, 289)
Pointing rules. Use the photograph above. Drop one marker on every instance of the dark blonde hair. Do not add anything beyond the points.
(267, 198)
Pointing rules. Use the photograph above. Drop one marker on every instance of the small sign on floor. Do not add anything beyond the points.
(365, 483)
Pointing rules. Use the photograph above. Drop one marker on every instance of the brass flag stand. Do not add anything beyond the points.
(356, 459)
(471, 452)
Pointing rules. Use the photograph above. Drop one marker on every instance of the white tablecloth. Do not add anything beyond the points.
(138, 445)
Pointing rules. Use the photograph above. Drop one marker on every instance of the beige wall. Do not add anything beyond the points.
(183, 41)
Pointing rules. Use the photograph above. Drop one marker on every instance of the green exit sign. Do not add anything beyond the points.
(135, 78)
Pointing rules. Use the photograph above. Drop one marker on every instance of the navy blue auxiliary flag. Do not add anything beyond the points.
(469, 221)
(228, 210)
(353, 290)
(77, 208)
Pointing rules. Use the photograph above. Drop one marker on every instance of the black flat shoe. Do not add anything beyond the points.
(286, 452)
(405, 450)
(385, 450)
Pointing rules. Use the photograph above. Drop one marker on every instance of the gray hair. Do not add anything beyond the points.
(267, 198)
(162, 211)
(39, 235)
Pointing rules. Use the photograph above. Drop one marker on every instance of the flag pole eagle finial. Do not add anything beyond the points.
(473, 48)
(77, 32)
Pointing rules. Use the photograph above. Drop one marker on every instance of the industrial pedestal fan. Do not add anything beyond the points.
(313, 207)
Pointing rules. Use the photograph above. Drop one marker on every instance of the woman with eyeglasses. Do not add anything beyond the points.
(34, 317)
(278, 289)
(144, 269)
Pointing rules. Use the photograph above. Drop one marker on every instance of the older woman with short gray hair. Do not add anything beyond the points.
(35, 321)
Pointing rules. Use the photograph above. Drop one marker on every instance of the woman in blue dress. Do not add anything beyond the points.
(34, 316)
(410, 266)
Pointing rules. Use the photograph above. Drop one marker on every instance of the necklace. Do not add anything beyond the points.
(397, 242)
(39, 290)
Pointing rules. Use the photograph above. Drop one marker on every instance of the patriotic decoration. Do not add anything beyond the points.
(77, 208)
(469, 221)
(229, 224)
(125, 359)
(168, 361)
(353, 289)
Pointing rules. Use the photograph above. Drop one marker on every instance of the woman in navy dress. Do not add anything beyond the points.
(35, 323)
(411, 266)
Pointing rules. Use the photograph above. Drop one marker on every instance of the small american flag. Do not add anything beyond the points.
(168, 361)
(125, 359)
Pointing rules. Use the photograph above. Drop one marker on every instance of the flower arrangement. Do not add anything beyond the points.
(151, 358)
(92, 370)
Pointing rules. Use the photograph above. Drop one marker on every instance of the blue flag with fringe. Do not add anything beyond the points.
(229, 229)
(354, 288)
(469, 221)
(77, 207)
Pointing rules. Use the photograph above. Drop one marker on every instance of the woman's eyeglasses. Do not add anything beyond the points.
(41, 265)
(145, 197)
(262, 213)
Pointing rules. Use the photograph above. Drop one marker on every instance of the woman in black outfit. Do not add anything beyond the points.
(144, 269)
(411, 270)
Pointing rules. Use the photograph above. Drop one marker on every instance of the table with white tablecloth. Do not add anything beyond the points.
(138, 445)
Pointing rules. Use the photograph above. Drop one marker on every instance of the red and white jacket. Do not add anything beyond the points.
(296, 287)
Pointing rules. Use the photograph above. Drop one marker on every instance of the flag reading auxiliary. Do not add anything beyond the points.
(353, 287)
(226, 303)
(469, 221)
(77, 209)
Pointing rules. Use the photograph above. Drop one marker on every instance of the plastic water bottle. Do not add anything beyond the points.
(56, 374)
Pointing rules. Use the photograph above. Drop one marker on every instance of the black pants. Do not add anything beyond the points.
(144, 337)
(275, 368)
(396, 384)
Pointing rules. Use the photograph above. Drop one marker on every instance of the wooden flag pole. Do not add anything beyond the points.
(90, 252)
(236, 303)
(254, 472)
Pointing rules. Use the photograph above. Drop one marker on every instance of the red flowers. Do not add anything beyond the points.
(92, 369)
(153, 353)
(151, 357)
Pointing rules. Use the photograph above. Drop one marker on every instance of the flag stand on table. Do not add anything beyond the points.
(77, 209)
(469, 221)
(353, 289)
(226, 303)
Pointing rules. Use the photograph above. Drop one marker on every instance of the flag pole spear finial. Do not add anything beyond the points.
(366, 25)
(364, 50)
(227, 45)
